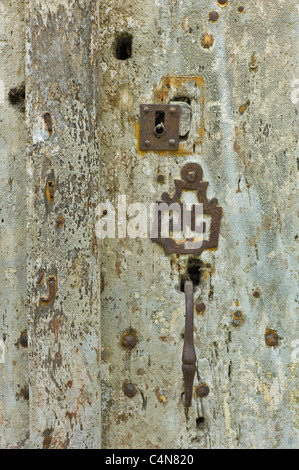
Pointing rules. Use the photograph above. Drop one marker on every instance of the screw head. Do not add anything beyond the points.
(130, 390)
(146, 142)
(146, 109)
(129, 341)
(171, 141)
(202, 390)
(172, 110)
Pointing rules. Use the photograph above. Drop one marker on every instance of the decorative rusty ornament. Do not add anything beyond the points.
(191, 174)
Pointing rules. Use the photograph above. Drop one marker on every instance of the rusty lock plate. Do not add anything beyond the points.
(159, 126)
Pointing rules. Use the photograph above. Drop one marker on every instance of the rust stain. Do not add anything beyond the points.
(207, 41)
(123, 418)
(243, 107)
(50, 191)
(160, 397)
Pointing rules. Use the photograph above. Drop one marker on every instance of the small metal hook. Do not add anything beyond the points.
(189, 355)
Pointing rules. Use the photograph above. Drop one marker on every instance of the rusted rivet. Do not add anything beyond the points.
(223, 3)
(60, 221)
(171, 141)
(271, 338)
(130, 390)
(160, 178)
(52, 283)
(129, 341)
(256, 293)
(237, 318)
(240, 8)
(200, 307)
(172, 110)
(25, 393)
(146, 142)
(202, 390)
(191, 175)
(213, 16)
(48, 122)
(24, 340)
(146, 109)
(207, 41)
(40, 277)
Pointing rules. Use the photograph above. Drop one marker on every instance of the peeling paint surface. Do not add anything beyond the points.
(63, 175)
(14, 377)
(243, 135)
(85, 373)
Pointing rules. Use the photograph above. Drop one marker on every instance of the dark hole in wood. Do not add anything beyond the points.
(16, 97)
(193, 270)
(200, 422)
(124, 46)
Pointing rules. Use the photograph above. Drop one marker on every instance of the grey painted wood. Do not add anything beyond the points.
(62, 114)
(239, 74)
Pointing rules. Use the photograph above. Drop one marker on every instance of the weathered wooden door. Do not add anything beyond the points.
(79, 371)
(232, 62)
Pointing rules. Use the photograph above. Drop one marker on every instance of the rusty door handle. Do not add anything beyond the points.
(189, 355)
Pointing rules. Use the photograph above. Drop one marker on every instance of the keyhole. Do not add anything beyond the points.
(159, 124)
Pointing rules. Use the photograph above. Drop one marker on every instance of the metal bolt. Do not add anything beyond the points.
(256, 293)
(172, 110)
(271, 338)
(24, 340)
(146, 142)
(213, 16)
(129, 341)
(146, 109)
(171, 142)
(202, 390)
(130, 390)
(191, 175)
